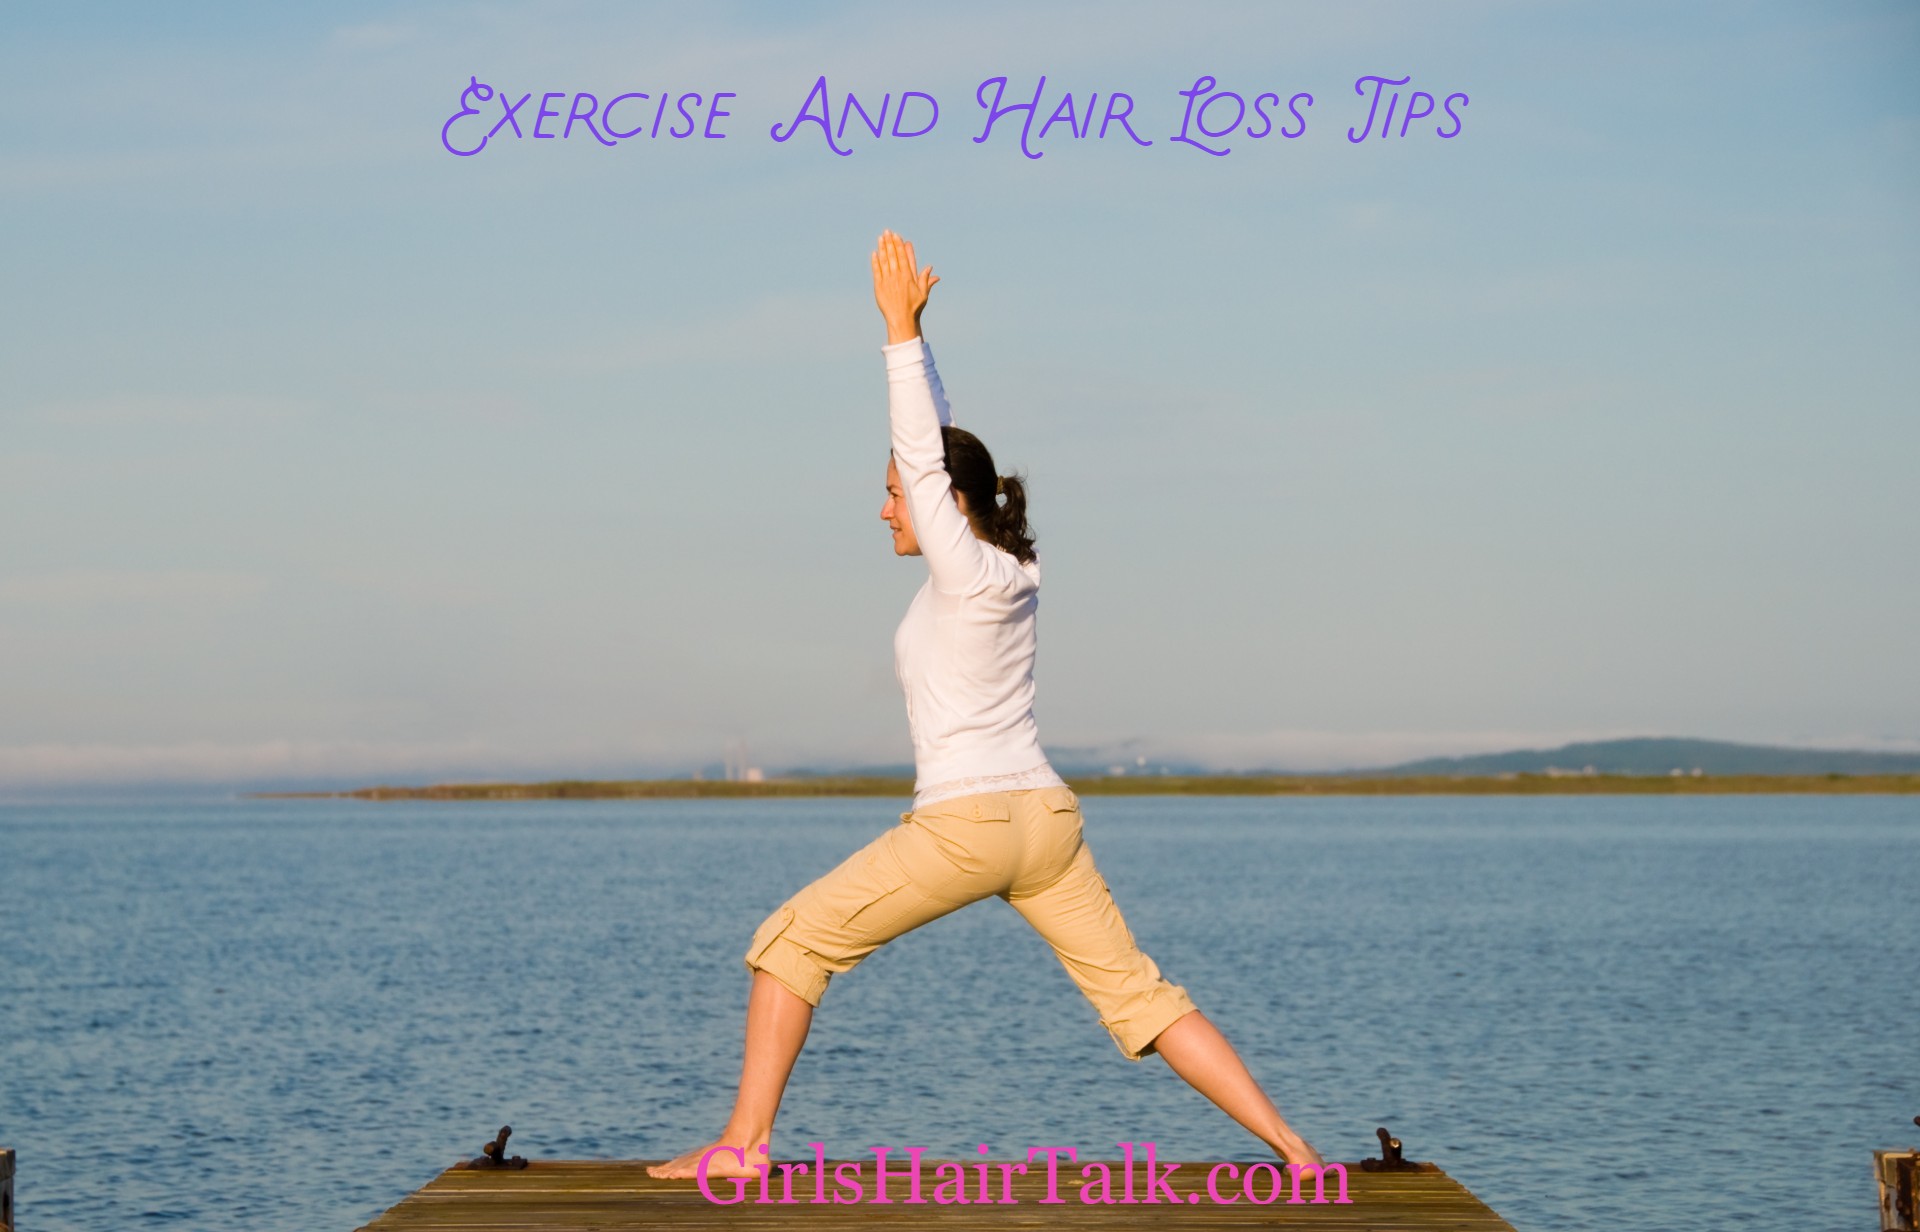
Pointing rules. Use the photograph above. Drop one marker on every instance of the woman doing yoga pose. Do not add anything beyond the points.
(990, 816)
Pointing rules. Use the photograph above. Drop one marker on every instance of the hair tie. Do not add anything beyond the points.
(999, 486)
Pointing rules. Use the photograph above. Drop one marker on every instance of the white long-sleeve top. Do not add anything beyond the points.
(964, 652)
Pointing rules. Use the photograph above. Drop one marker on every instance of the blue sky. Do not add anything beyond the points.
(332, 456)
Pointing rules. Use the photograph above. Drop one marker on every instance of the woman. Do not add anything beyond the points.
(990, 816)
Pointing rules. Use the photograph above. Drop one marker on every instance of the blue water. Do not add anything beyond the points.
(1597, 1013)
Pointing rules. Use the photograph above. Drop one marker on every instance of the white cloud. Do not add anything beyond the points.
(372, 35)
(207, 761)
(87, 587)
(125, 410)
(771, 328)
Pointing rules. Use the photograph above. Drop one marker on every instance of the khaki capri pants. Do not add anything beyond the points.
(1022, 846)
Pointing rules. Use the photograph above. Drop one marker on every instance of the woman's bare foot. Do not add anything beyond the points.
(725, 1161)
(1294, 1150)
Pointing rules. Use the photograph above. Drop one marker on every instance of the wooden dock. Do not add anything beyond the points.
(551, 1196)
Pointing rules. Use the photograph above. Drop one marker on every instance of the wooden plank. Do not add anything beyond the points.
(564, 1195)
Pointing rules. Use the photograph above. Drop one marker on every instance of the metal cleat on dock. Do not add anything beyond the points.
(1390, 1158)
(494, 1154)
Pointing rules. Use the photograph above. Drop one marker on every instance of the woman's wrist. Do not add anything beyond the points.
(902, 329)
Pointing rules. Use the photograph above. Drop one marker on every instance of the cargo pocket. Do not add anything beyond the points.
(1059, 841)
(886, 893)
(1059, 800)
(769, 931)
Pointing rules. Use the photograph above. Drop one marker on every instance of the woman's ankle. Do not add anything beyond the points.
(749, 1137)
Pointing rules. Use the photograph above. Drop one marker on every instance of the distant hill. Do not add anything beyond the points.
(1637, 756)
(1660, 755)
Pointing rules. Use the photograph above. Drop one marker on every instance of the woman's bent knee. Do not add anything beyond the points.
(1146, 1018)
(777, 954)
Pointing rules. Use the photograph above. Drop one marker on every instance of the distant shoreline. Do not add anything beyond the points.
(1160, 785)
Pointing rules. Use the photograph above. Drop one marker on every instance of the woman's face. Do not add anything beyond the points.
(895, 514)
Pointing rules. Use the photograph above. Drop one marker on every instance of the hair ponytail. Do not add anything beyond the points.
(1007, 528)
(998, 502)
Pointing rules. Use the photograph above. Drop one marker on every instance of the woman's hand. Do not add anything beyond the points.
(900, 288)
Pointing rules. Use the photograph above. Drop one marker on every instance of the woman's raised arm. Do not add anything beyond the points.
(917, 406)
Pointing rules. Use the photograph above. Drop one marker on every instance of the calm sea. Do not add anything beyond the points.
(1612, 1013)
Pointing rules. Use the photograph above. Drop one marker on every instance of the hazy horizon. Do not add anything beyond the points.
(185, 780)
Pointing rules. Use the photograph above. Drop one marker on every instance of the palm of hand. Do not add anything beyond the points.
(900, 287)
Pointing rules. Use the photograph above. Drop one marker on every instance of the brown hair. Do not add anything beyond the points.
(998, 502)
